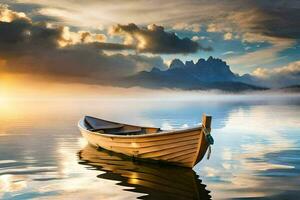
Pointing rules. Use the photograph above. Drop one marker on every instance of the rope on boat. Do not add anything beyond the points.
(209, 139)
(209, 152)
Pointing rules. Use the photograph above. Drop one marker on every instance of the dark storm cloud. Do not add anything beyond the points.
(274, 18)
(20, 35)
(35, 48)
(43, 18)
(23, 7)
(281, 18)
(31, 10)
(110, 46)
(154, 39)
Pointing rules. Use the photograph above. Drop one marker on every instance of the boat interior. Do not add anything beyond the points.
(107, 127)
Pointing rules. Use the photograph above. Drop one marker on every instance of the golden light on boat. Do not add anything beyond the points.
(133, 178)
(134, 144)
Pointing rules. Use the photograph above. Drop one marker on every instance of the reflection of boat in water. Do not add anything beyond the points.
(185, 147)
(157, 181)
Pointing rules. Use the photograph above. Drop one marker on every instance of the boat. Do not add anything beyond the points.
(149, 180)
(183, 147)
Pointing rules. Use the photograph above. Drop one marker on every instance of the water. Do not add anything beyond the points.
(256, 154)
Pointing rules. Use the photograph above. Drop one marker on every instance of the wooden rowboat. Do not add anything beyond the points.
(184, 147)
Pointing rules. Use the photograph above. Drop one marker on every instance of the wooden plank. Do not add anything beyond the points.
(152, 138)
(188, 159)
(169, 152)
(181, 157)
(141, 152)
(154, 148)
(206, 121)
(150, 144)
(191, 151)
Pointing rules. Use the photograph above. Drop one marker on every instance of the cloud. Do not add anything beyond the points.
(70, 38)
(290, 69)
(277, 19)
(55, 51)
(273, 18)
(228, 36)
(7, 15)
(187, 27)
(218, 27)
(281, 76)
(264, 25)
(197, 38)
(154, 39)
(281, 19)
(229, 53)
(261, 56)
(276, 23)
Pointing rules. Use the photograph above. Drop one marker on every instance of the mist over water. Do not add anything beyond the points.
(255, 155)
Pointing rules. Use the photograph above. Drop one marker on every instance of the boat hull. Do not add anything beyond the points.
(183, 147)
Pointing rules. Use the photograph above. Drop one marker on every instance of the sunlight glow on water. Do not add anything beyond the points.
(256, 151)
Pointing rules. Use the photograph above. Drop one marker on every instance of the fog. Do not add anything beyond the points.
(25, 88)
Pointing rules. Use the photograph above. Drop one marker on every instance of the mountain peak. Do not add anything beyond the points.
(210, 58)
(213, 60)
(189, 63)
(155, 70)
(176, 63)
(200, 61)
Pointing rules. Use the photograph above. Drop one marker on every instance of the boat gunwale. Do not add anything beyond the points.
(82, 119)
(168, 132)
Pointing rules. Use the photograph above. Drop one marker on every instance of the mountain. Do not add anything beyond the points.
(291, 88)
(212, 73)
(176, 63)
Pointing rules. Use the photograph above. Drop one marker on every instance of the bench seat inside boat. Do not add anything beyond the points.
(124, 132)
(95, 124)
(107, 127)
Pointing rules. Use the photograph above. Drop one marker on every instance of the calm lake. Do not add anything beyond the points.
(256, 154)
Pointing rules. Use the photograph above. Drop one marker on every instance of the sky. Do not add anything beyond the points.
(78, 41)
